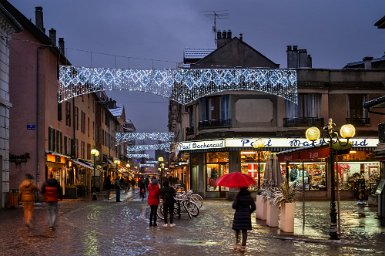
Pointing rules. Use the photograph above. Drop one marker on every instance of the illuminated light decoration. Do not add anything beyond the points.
(138, 156)
(162, 146)
(181, 85)
(152, 162)
(146, 165)
(132, 136)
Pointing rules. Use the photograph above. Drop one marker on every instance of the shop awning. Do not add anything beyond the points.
(303, 154)
(83, 164)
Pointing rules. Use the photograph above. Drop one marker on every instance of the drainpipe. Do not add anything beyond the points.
(37, 173)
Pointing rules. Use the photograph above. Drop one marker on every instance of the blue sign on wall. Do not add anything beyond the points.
(31, 126)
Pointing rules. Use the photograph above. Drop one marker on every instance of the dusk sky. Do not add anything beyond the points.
(154, 34)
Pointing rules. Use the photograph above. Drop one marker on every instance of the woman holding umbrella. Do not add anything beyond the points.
(243, 204)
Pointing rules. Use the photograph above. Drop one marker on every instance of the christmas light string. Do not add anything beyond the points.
(181, 85)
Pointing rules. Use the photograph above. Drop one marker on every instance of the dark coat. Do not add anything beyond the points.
(244, 205)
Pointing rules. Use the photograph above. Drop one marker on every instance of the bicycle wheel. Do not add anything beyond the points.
(159, 212)
(192, 208)
(197, 199)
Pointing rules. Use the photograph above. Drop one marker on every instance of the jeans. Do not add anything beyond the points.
(52, 212)
(117, 191)
(168, 209)
(153, 211)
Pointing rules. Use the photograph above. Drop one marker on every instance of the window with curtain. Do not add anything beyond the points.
(356, 106)
(215, 108)
(309, 105)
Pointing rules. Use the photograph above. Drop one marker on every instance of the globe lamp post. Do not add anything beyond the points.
(334, 139)
(94, 153)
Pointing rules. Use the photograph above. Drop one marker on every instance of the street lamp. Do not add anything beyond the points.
(259, 145)
(94, 153)
(347, 132)
(160, 160)
(116, 162)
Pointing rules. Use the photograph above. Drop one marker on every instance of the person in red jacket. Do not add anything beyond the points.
(153, 200)
(52, 192)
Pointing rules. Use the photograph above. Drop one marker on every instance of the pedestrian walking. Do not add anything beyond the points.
(167, 194)
(142, 189)
(52, 193)
(153, 200)
(244, 205)
(107, 186)
(27, 190)
(117, 189)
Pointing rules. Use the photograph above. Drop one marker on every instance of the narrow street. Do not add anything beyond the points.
(108, 228)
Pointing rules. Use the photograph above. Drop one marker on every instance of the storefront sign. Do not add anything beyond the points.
(195, 145)
(269, 142)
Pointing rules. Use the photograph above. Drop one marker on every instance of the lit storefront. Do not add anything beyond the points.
(56, 164)
(211, 159)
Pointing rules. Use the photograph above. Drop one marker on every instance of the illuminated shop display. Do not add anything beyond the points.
(181, 85)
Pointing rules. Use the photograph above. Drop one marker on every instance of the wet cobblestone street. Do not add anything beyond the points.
(108, 228)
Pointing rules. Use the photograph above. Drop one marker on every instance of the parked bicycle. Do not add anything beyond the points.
(183, 204)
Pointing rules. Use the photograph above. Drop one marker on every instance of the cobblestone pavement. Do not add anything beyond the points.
(105, 227)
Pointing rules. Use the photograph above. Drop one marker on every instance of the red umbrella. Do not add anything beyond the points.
(235, 180)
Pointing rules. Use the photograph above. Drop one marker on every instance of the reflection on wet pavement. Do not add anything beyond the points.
(105, 228)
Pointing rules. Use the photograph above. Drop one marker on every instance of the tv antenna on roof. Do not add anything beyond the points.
(216, 15)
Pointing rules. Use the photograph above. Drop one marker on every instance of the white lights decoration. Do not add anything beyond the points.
(180, 85)
(162, 146)
(132, 136)
(138, 156)
(146, 165)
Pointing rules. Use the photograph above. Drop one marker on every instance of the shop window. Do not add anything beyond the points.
(217, 164)
(250, 162)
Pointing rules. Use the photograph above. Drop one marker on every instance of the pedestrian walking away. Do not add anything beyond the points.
(107, 186)
(117, 189)
(244, 205)
(52, 193)
(153, 200)
(167, 194)
(27, 190)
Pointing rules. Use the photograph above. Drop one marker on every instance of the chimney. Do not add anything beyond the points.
(219, 35)
(223, 38)
(52, 36)
(39, 18)
(229, 34)
(367, 62)
(292, 56)
(241, 37)
(61, 45)
(303, 59)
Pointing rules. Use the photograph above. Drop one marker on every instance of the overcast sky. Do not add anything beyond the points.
(154, 34)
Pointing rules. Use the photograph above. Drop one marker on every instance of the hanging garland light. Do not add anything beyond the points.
(132, 136)
(181, 85)
(138, 156)
(162, 146)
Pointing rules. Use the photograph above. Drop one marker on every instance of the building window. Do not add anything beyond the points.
(309, 105)
(83, 148)
(88, 151)
(83, 122)
(59, 112)
(88, 127)
(215, 112)
(68, 113)
(65, 145)
(356, 106)
(76, 118)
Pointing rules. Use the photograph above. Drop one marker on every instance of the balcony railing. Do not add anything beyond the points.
(303, 121)
(358, 121)
(213, 123)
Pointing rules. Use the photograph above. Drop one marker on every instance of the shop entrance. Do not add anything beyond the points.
(217, 165)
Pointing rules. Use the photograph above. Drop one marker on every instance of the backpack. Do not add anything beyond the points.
(50, 194)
